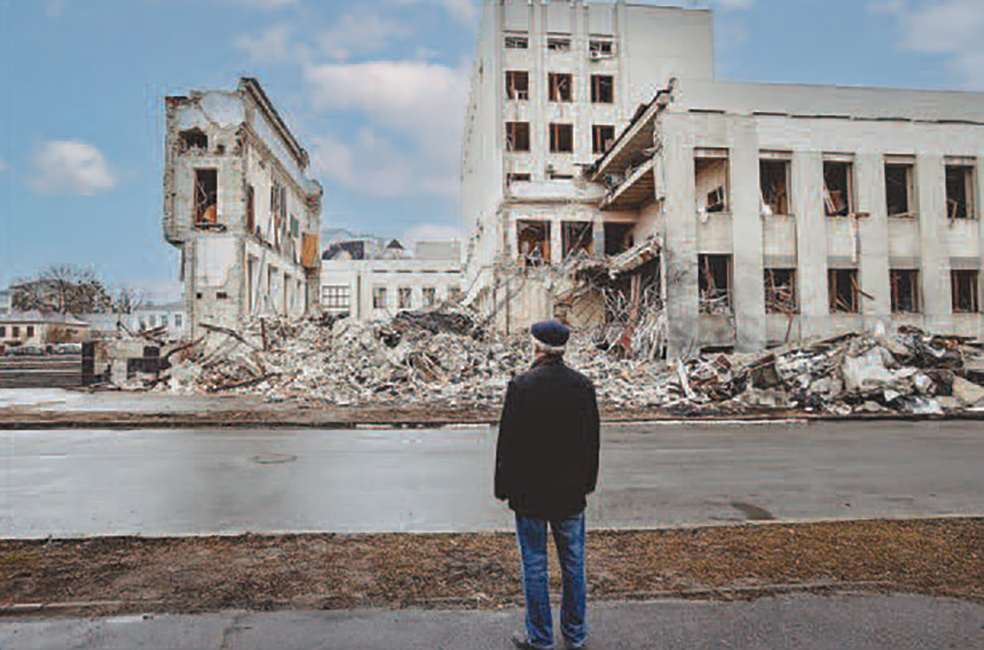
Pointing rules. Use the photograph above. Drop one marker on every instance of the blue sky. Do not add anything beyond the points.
(375, 90)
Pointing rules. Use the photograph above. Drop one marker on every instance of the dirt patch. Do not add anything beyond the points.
(941, 557)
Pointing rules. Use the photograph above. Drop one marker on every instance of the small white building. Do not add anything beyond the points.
(376, 289)
(40, 328)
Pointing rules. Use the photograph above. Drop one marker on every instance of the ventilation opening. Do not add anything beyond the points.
(714, 284)
(905, 291)
(577, 236)
(618, 238)
(533, 242)
(774, 181)
(780, 291)
(844, 292)
(837, 190)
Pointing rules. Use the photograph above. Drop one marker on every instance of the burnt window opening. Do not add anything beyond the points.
(599, 47)
(250, 210)
(904, 284)
(206, 197)
(517, 136)
(774, 183)
(780, 292)
(602, 89)
(714, 284)
(404, 297)
(518, 177)
(602, 137)
(517, 42)
(577, 236)
(965, 291)
(533, 242)
(959, 192)
(898, 190)
(518, 84)
(711, 179)
(843, 291)
(618, 238)
(559, 87)
(838, 190)
(193, 139)
(561, 138)
(559, 43)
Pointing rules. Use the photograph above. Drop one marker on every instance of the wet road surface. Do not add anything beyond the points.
(228, 481)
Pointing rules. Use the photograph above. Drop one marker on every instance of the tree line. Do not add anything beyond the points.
(69, 289)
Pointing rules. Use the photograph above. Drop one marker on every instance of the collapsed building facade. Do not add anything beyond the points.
(610, 180)
(240, 208)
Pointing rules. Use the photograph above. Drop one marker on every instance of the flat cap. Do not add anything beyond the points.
(551, 332)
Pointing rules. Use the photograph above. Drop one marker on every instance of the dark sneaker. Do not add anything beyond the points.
(523, 644)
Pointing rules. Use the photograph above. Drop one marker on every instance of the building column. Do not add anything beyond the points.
(748, 290)
(873, 240)
(934, 267)
(811, 241)
(556, 240)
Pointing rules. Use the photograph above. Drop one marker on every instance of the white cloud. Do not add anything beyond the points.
(431, 232)
(360, 32)
(949, 28)
(71, 167)
(271, 45)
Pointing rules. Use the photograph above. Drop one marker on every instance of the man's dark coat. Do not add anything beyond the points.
(547, 453)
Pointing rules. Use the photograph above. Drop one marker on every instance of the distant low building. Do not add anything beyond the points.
(376, 289)
(172, 316)
(39, 328)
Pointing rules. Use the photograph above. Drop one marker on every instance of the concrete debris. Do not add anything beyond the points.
(442, 359)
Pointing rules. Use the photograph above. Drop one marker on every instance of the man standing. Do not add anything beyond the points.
(546, 463)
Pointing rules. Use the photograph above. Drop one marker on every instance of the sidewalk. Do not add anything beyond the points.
(801, 622)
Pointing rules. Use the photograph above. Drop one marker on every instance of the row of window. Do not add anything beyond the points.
(597, 47)
(337, 297)
(15, 331)
(560, 87)
(159, 321)
(561, 137)
(839, 192)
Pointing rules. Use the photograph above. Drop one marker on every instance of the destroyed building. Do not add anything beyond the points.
(609, 179)
(367, 286)
(239, 206)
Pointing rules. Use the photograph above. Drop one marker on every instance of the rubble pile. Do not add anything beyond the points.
(443, 359)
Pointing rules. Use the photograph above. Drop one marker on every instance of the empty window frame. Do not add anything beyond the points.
(900, 188)
(518, 84)
(838, 187)
(3, 331)
(965, 291)
(960, 190)
(177, 320)
(517, 136)
(430, 296)
(206, 196)
(379, 297)
(193, 138)
(560, 87)
(533, 242)
(618, 238)
(602, 137)
(711, 179)
(780, 291)
(904, 286)
(602, 89)
(843, 291)
(454, 294)
(577, 236)
(404, 297)
(30, 331)
(559, 43)
(518, 177)
(561, 138)
(774, 185)
(15, 331)
(601, 47)
(714, 283)
(517, 42)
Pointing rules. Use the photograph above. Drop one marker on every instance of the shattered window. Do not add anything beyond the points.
(965, 291)
(904, 285)
(517, 136)
(711, 179)
(602, 137)
(379, 297)
(601, 47)
(577, 236)
(404, 297)
(206, 196)
(959, 192)
(560, 86)
(533, 242)
(518, 84)
(602, 89)
(843, 291)
(559, 43)
(430, 296)
(714, 284)
(618, 238)
(899, 190)
(780, 291)
(561, 138)
(838, 188)
(774, 182)
(517, 42)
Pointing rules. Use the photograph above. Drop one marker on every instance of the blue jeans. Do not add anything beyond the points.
(568, 534)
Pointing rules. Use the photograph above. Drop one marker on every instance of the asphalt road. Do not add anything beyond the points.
(851, 621)
(228, 481)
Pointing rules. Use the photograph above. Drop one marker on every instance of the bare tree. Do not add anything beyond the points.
(62, 288)
(128, 300)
